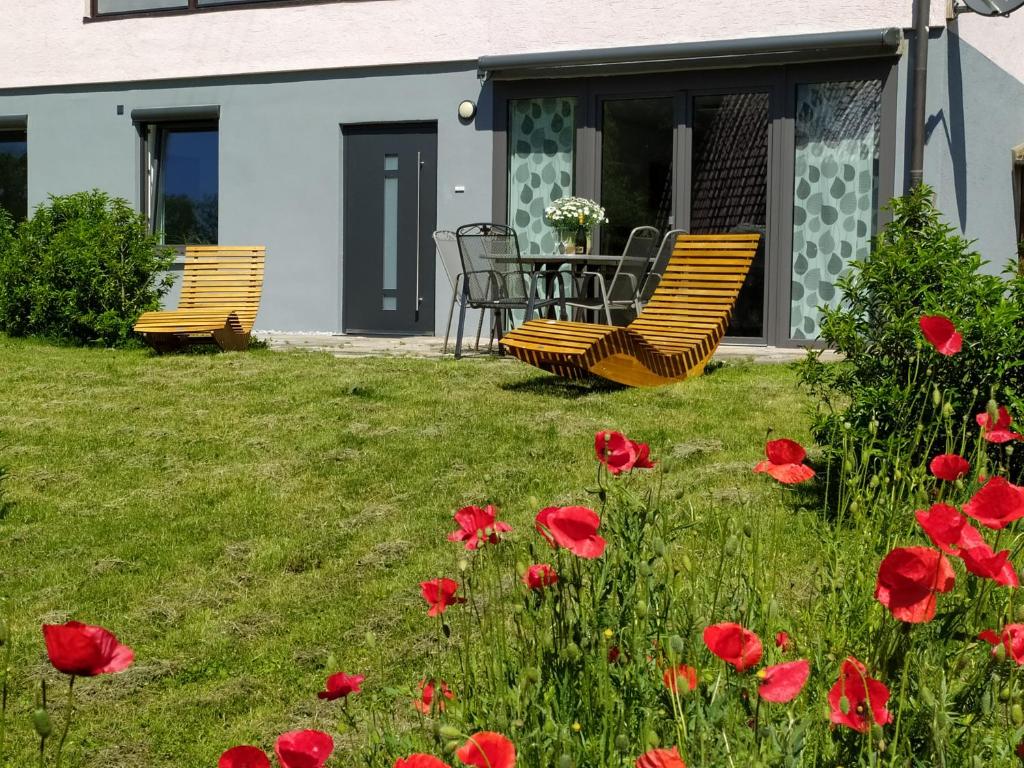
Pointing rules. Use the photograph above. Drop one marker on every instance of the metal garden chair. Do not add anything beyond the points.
(622, 291)
(448, 251)
(494, 278)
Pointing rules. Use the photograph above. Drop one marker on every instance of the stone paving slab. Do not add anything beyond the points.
(344, 345)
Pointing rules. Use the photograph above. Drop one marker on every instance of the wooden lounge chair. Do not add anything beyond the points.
(220, 295)
(673, 337)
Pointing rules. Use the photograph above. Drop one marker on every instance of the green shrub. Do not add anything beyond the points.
(81, 270)
(892, 380)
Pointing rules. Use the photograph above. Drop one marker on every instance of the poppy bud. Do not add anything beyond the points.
(659, 547)
(463, 564)
(565, 761)
(652, 739)
(847, 425)
(622, 743)
(748, 530)
(927, 697)
(1009, 449)
(449, 732)
(645, 569)
(675, 644)
(936, 397)
(1004, 693)
(641, 609)
(731, 545)
(876, 732)
(687, 565)
(1017, 714)
(848, 465)
(874, 481)
(42, 723)
(572, 652)
(1000, 653)
(873, 427)
(531, 675)
(453, 745)
(854, 506)
(947, 410)
(986, 702)
(844, 705)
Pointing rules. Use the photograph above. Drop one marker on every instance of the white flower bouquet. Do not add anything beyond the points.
(569, 214)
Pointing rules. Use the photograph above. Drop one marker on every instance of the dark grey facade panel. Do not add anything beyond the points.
(174, 114)
(713, 54)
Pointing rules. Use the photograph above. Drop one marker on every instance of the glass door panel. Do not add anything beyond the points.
(835, 200)
(541, 146)
(636, 167)
(730, 187)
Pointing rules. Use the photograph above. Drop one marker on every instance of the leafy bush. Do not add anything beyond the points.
(81, 270)
(919, 267)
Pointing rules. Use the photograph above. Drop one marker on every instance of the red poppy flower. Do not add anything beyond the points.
(303, 749)
(998, 431)
(949, 467)
(426, 700)
(540, 576)
(782, 682)
(948, 529)
(908, 580)
(574, 528)
(1020, 750)
(80, 649)
(244, 757)
(982, 561)
(997, 504)
(1013, 640)
(439, 594)
(782, 641)
(619, 453)
(941, 334)
(488, 750)
(990, 636)
(661, 758)
(341, 685)
(733, 644)
(785, 462)
(419, 760)
(478, 526)
(856, 700)
(680, 672)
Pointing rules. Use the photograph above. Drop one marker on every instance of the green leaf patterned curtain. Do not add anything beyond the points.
(835, 199)
(541, 142)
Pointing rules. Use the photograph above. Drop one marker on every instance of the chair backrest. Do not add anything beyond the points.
(225, 277)
(658, 265)
(491, 261)
(698, 289)
(448, 250)
(634, 265)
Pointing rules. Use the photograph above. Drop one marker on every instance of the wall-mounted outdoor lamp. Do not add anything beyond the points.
(467, 110)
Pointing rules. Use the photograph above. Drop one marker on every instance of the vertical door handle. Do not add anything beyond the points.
(419, 235)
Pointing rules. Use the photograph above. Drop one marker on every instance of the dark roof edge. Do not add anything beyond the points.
(709, 54)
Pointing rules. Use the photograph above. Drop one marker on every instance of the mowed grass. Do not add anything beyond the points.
(236, 518)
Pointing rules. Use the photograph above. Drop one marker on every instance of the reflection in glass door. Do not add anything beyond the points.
(636, 167)
(730, 187)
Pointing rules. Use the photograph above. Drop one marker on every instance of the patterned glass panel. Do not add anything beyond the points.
(541, 142)
(835, 200)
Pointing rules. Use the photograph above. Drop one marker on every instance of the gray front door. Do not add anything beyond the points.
(390, 211)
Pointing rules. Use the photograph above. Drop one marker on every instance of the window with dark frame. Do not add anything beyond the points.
(181, 181)
(103, 9)
(14, 173)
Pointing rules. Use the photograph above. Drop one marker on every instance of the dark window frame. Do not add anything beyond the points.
(147, 188)
(194, 7)
(18, 131)
(779, 81)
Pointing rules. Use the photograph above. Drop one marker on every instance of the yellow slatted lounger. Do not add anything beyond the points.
(672, 338)
(220, 295)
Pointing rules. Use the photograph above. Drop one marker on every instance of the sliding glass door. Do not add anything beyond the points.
(802, 155)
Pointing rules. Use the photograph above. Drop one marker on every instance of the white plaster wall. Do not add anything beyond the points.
(999, 39)
(46, 43)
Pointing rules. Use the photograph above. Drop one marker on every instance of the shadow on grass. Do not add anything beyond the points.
(555, 386)
(5, 505)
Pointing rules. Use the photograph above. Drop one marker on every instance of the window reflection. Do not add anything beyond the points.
(186, 175)
(14, 173)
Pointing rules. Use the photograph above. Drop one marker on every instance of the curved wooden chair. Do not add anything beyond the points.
(220, 295)
(673, 337)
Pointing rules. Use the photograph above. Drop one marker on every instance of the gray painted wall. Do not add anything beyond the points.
(280, 157)
(280, 163)
(975, 117)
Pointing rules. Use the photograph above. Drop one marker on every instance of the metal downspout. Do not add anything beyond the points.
(921, 18)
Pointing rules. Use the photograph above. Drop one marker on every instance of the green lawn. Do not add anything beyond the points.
(236, 518)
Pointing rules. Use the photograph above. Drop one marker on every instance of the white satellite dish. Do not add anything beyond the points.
(992, 7)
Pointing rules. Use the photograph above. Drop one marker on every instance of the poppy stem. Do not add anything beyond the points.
(68, 714)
